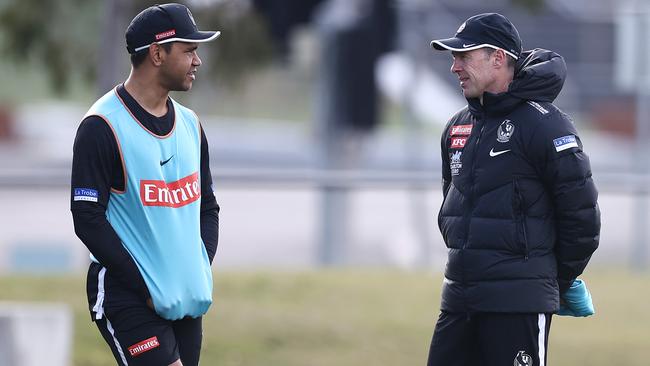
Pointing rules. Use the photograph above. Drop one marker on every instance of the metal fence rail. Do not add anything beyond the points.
(331, 202)
(610, 181)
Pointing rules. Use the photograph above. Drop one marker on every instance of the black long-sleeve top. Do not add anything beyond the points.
(97, 165)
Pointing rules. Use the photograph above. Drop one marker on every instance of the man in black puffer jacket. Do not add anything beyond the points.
(520, 214)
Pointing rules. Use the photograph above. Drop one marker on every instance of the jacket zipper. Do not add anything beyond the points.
(521, 219)
(468, 212)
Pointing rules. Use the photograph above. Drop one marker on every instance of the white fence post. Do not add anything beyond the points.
(35, 334)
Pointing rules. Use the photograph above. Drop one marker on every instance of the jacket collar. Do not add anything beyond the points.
(539, 76)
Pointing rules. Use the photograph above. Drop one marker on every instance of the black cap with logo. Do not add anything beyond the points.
(162, 24)
(483, 30)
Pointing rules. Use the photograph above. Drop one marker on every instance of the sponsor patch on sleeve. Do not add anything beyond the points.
(565, 142)
(458, 142)
(85, 194)
(460, 130)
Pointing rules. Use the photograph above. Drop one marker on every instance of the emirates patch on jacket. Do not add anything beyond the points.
(460, 130)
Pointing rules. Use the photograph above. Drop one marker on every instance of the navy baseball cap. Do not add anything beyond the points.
(163, 24)
(483, 30)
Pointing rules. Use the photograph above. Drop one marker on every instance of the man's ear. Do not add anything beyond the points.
(499, 58)
(157, 54)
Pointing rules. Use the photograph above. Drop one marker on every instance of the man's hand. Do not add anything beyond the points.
(576, 301)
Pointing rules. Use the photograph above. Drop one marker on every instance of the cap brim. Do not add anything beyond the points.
(205, 36)
(455, 44)
(199, 37)
(463, 45)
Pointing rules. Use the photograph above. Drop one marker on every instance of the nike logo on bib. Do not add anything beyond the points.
(497, 153)
(166, 161)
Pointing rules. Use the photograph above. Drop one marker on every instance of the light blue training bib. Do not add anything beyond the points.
(157, 217)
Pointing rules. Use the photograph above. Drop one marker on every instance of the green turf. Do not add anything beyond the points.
(357, 317)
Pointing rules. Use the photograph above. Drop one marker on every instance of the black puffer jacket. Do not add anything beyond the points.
(520, 214)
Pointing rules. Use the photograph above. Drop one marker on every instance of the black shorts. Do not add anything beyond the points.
(133, 331)
(490, 339)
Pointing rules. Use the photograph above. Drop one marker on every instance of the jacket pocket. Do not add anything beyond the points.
(440, 216)
(444, 218)
(519, 210)
(442, 205)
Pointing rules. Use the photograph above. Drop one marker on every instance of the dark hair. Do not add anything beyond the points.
(138, 58)
(510, 61)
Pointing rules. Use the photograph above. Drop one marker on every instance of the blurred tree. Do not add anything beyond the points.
(353, 47)
(282, 16)
(68, 37)
(244, 45)
(53, 34)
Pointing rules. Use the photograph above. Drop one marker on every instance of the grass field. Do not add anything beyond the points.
(357, 317)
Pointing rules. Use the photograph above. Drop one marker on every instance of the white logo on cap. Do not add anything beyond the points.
(468, 45)
(460, 29)
(191, 17)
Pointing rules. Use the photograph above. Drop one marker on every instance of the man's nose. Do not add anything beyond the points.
(455, 67)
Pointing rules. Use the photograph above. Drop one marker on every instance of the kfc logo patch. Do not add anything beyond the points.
(144, 346)
(175, 194)
(458, 142)
(460, 130)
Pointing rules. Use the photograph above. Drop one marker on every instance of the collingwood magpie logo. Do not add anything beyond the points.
(523, 359)
(505, 130)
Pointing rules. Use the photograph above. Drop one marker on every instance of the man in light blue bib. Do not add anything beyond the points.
(142, 201)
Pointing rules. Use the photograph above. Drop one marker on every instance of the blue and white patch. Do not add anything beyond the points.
(565, 142)
(85, 194)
